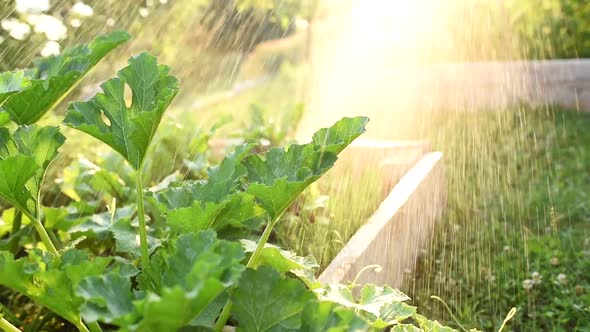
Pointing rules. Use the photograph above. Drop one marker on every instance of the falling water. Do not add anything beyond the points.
(440, 71)
(428, 70)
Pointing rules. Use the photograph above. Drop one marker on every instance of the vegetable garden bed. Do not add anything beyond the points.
(393, 236)
(190, 253)
(376, 207)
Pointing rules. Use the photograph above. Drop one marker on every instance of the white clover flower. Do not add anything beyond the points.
(110, 22)
(82, 9)
(507, 249)
(75, 22)
(50, 48)
(536, 277)
(562, 278)
(554, 261)
(163, 2)
(143, 12)
(301, 23)
(52, 27)
(32, 6)
(16, 29)
(527, 284)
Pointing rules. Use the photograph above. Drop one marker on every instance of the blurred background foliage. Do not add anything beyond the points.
(213, 43)
(255, 49)
(206, 41)
(522, 29)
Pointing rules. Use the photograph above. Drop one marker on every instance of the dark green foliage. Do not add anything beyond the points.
(53, 77)
(164, 267)
(128, 130)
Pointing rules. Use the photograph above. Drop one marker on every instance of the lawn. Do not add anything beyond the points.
(516, 231)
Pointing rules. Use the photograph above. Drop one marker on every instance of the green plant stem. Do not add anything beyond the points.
(261, 243)
(434, 297)
(223, 317)
(94, 327)
(225, 313)
(81, 327)
(16, 225)
(7, 313)
(7, 326)
(374, 267)
(143, 243)
(42, 233)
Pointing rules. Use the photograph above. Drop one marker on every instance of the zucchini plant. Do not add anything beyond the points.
(188, 255)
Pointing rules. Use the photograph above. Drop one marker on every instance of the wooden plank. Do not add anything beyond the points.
(394, 235)
(386, 159)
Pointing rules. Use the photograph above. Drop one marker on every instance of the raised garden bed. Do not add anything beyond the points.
(398, 218)
(413, 199)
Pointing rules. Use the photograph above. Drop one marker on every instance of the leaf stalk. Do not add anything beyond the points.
(143, 243)
(94, 327)
(226, 312)
(81, 327)
(42, 233)
(6, 326)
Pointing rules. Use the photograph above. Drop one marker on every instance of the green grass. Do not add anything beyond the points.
(518, 193)
(330, 212)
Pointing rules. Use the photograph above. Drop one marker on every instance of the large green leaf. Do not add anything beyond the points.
(213, 204)
(405, 328)
(184, 280)
(48, 282)
(118, 225)
(264, 301)
(188, 276)
(128, 130)
(53, 77)
(340, 135)
(108, 298)
(278, 178)
(125, 233)
(12, 83)
(24, 158)
(194, 257)
(381, 306)
(330, 317)
(280, 260)
(428, 325)
(100, 225)
(222, 181)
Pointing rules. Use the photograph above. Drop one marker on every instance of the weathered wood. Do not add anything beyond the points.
(385, 158)
(394, 235)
